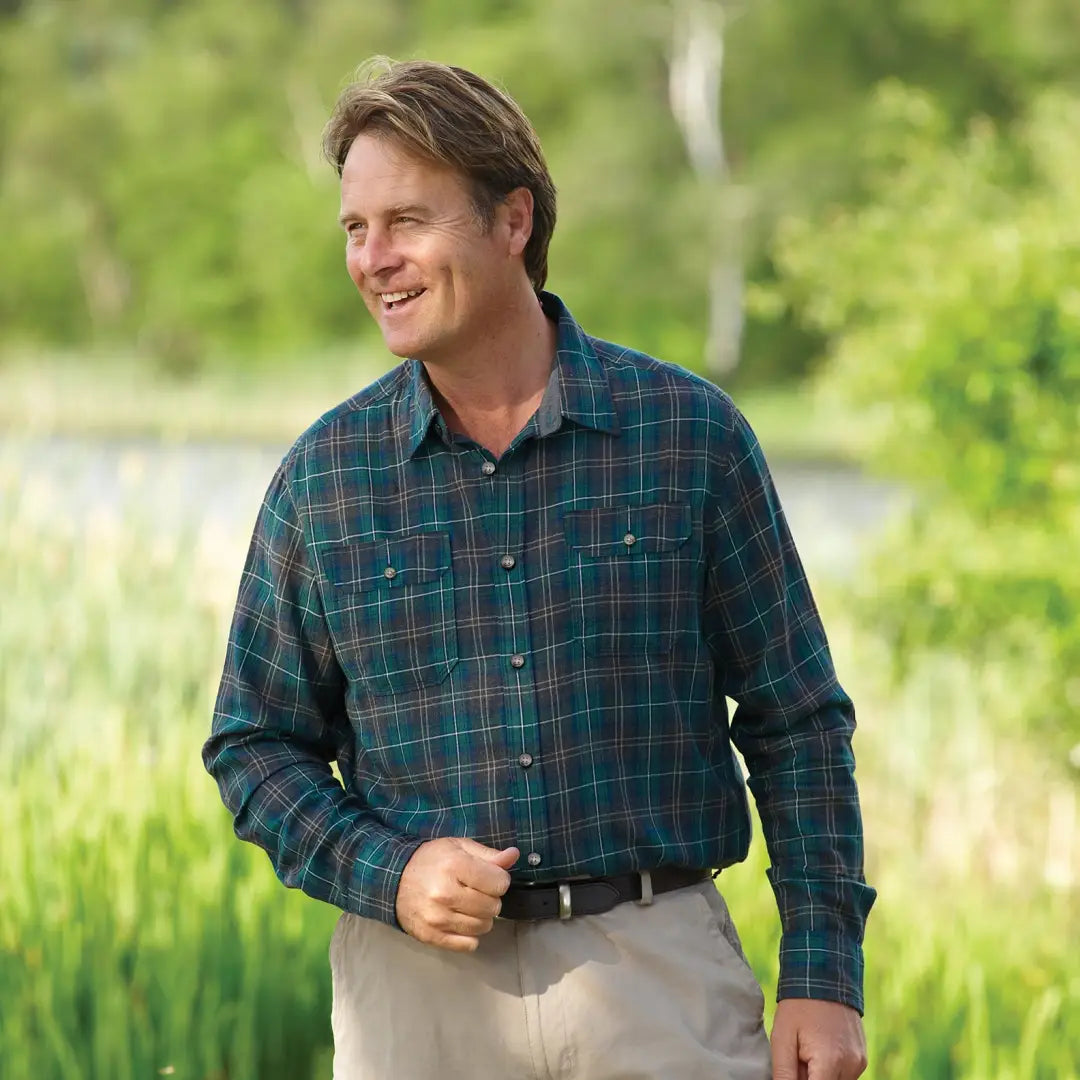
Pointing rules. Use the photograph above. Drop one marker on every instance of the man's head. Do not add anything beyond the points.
(452, 119)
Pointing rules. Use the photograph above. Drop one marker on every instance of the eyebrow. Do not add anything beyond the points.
(391, 211)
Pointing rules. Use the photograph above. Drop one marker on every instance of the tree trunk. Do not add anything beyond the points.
(694, 90)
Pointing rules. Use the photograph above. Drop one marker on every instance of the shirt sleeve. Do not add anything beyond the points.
(279, 721)
(793, 725)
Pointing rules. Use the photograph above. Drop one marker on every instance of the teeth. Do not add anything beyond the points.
(394, 297)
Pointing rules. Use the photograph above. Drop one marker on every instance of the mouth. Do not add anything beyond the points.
(396, 301)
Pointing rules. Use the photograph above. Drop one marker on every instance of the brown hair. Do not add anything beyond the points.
(451, 117)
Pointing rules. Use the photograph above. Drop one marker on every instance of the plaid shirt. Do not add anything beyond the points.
(536, 651)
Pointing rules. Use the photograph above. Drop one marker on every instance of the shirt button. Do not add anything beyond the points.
(517, 660)
(488, 468)
(508, 562)
(525, 760)
(534, 858)
(629, 539)
(389, 573)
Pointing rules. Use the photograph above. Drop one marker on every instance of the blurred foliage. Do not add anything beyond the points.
(952, 305)
(161, 188)
(139, 938)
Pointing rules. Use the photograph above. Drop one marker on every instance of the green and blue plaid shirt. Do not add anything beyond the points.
(536, 651)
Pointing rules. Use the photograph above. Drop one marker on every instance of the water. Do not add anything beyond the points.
(832, 509)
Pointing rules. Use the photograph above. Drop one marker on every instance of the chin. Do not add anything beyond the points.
(401, 351)
(400, 344)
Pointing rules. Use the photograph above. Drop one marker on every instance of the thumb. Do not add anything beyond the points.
(785, 1050)
(506, 857)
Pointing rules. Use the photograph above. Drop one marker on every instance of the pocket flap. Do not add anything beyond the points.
(387, 564)
(627, 530)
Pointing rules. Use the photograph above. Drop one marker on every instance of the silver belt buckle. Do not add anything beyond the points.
(565, 909)
(646, 889)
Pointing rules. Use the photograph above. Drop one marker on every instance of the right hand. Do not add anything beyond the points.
(451, 891)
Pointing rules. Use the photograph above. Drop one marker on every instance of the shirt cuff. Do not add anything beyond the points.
(378, 874)
(821, 965)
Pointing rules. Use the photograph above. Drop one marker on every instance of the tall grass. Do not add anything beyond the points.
(139, 938)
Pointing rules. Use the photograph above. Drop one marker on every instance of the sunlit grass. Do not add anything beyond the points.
(139, 938)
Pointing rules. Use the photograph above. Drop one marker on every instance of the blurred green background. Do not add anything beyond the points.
(863, 220)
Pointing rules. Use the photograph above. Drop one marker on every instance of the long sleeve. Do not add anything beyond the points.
(793, 725)
(280, 720)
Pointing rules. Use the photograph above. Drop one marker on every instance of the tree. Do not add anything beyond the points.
(950, 303)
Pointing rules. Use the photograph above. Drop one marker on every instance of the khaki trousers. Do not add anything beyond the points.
(657, 992)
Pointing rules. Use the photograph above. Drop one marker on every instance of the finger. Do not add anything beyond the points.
(453, 942)
(482, 875)
(448, 929)
(474, 902)
(455, 923)
(854, 1067)
(507, 857)
(825, 1064)
(503, 857)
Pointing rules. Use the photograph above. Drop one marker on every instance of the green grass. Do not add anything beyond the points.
(121, 397)
(139, 938)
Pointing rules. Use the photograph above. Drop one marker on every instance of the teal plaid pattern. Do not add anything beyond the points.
(536, 651)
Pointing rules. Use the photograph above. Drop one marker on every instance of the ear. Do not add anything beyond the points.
(517, 212)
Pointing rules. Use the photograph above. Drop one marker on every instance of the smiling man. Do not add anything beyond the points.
(508, 588)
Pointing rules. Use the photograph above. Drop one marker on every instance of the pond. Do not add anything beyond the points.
(831, 509)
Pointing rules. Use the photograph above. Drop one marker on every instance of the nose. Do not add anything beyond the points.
(377, 254)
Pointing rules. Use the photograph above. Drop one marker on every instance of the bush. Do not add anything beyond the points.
(951, 304)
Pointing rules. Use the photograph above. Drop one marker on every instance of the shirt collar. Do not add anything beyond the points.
(584, 393)
(577, 390)
(419, 408)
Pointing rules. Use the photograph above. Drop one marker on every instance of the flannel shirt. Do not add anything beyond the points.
(535, 651)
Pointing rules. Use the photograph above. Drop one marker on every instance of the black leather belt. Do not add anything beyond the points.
(592, 896)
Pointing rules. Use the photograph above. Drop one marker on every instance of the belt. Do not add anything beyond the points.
(593, 896)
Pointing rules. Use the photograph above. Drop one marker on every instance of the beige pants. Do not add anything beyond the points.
(660, 992)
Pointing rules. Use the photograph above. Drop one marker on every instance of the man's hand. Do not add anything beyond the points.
(817, 1040)
(450, 892)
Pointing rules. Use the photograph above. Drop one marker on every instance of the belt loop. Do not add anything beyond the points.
(565, 908)
(646, 888)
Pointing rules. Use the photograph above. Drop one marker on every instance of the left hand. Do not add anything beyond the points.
(817, 1040)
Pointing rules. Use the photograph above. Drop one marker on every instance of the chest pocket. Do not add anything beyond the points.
(390, 604)
(628, 579)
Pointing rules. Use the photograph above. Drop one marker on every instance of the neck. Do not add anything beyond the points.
(490, 395)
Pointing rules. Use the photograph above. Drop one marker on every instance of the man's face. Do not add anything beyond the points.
(431, 274)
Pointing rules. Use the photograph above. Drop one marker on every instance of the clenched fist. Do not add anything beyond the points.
(451, 890)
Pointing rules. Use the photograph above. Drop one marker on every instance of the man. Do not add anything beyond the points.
(507, 588)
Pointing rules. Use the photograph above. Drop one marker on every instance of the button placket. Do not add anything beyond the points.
(511, 493)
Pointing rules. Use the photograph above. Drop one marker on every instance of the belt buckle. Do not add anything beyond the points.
(565, 907)
(646, 889)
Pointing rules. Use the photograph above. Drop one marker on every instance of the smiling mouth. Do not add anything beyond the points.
(394, 301)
